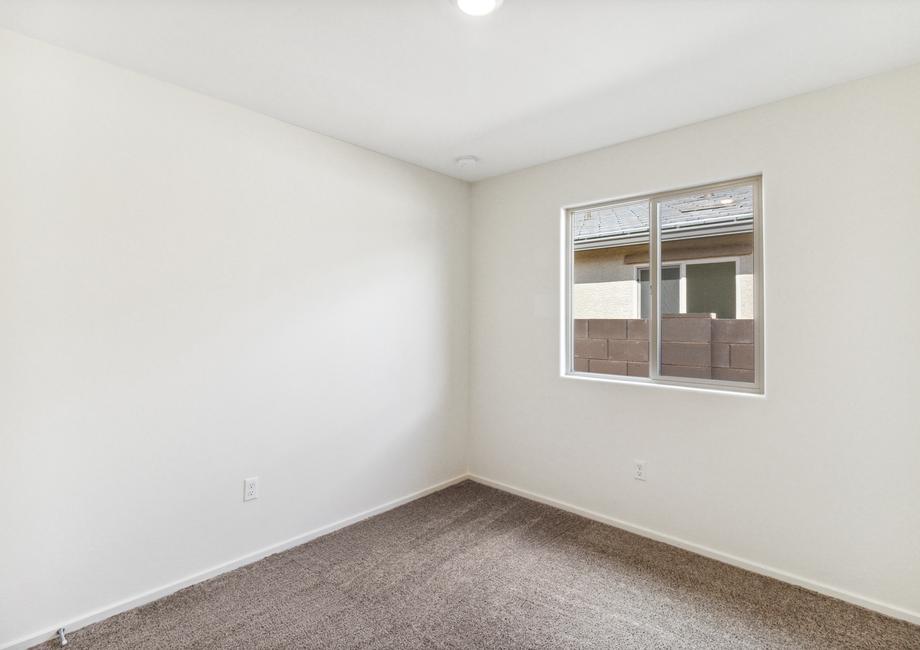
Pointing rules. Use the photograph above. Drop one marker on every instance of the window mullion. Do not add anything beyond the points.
(654, 275)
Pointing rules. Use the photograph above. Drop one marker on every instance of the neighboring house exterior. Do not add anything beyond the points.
(706, 257)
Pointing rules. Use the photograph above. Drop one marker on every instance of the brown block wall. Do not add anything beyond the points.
(692, 345)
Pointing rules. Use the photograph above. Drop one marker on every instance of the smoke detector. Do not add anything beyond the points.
(467, 162)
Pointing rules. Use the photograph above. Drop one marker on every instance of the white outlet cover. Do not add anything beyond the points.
(251, 488)
(639, 470)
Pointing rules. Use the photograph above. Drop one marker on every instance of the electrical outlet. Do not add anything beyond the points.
(250, 488)
(639, 466)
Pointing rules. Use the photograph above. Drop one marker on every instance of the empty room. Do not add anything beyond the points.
(460, 324)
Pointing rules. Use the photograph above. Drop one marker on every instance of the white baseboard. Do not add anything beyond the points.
(155, 594)
(755, 567)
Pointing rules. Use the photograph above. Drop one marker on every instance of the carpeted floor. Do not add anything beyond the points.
(472, 567)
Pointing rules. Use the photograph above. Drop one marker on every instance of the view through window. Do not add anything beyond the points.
(667, 287)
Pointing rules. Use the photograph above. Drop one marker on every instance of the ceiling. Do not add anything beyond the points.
(536, 81)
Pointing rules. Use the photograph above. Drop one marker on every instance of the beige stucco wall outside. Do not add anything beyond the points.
(605, 286)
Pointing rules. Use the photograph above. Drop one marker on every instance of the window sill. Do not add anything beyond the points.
(678, 384)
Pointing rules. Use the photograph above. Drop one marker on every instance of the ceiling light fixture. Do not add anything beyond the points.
(466, 162)
(478, 7)
(727, 201)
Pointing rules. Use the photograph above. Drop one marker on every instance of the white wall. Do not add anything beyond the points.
(819, 478)
(191, 294)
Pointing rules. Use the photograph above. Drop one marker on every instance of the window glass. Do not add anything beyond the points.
(609, 244)
(706, 302)
(711, 289)
(709, 337)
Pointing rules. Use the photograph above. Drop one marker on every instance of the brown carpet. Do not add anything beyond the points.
(472, 567)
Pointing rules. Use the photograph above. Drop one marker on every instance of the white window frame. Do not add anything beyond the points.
(682, 285)
(567, 347)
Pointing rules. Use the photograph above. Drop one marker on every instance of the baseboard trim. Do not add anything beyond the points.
(755, 567)
(154, 594)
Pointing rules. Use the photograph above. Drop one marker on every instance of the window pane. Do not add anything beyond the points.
(670, 291)
(711, 289)
(611, 247)
(711, 336)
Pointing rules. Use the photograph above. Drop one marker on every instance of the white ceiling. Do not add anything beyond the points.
(536, 81)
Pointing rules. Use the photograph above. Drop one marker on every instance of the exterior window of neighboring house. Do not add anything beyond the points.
(694, 287)
(667, 288)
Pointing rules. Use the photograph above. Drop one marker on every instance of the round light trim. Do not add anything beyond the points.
(478, 7)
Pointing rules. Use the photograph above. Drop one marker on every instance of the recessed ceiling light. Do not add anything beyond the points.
(466, 162)
(727, 201)
(478, 7)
